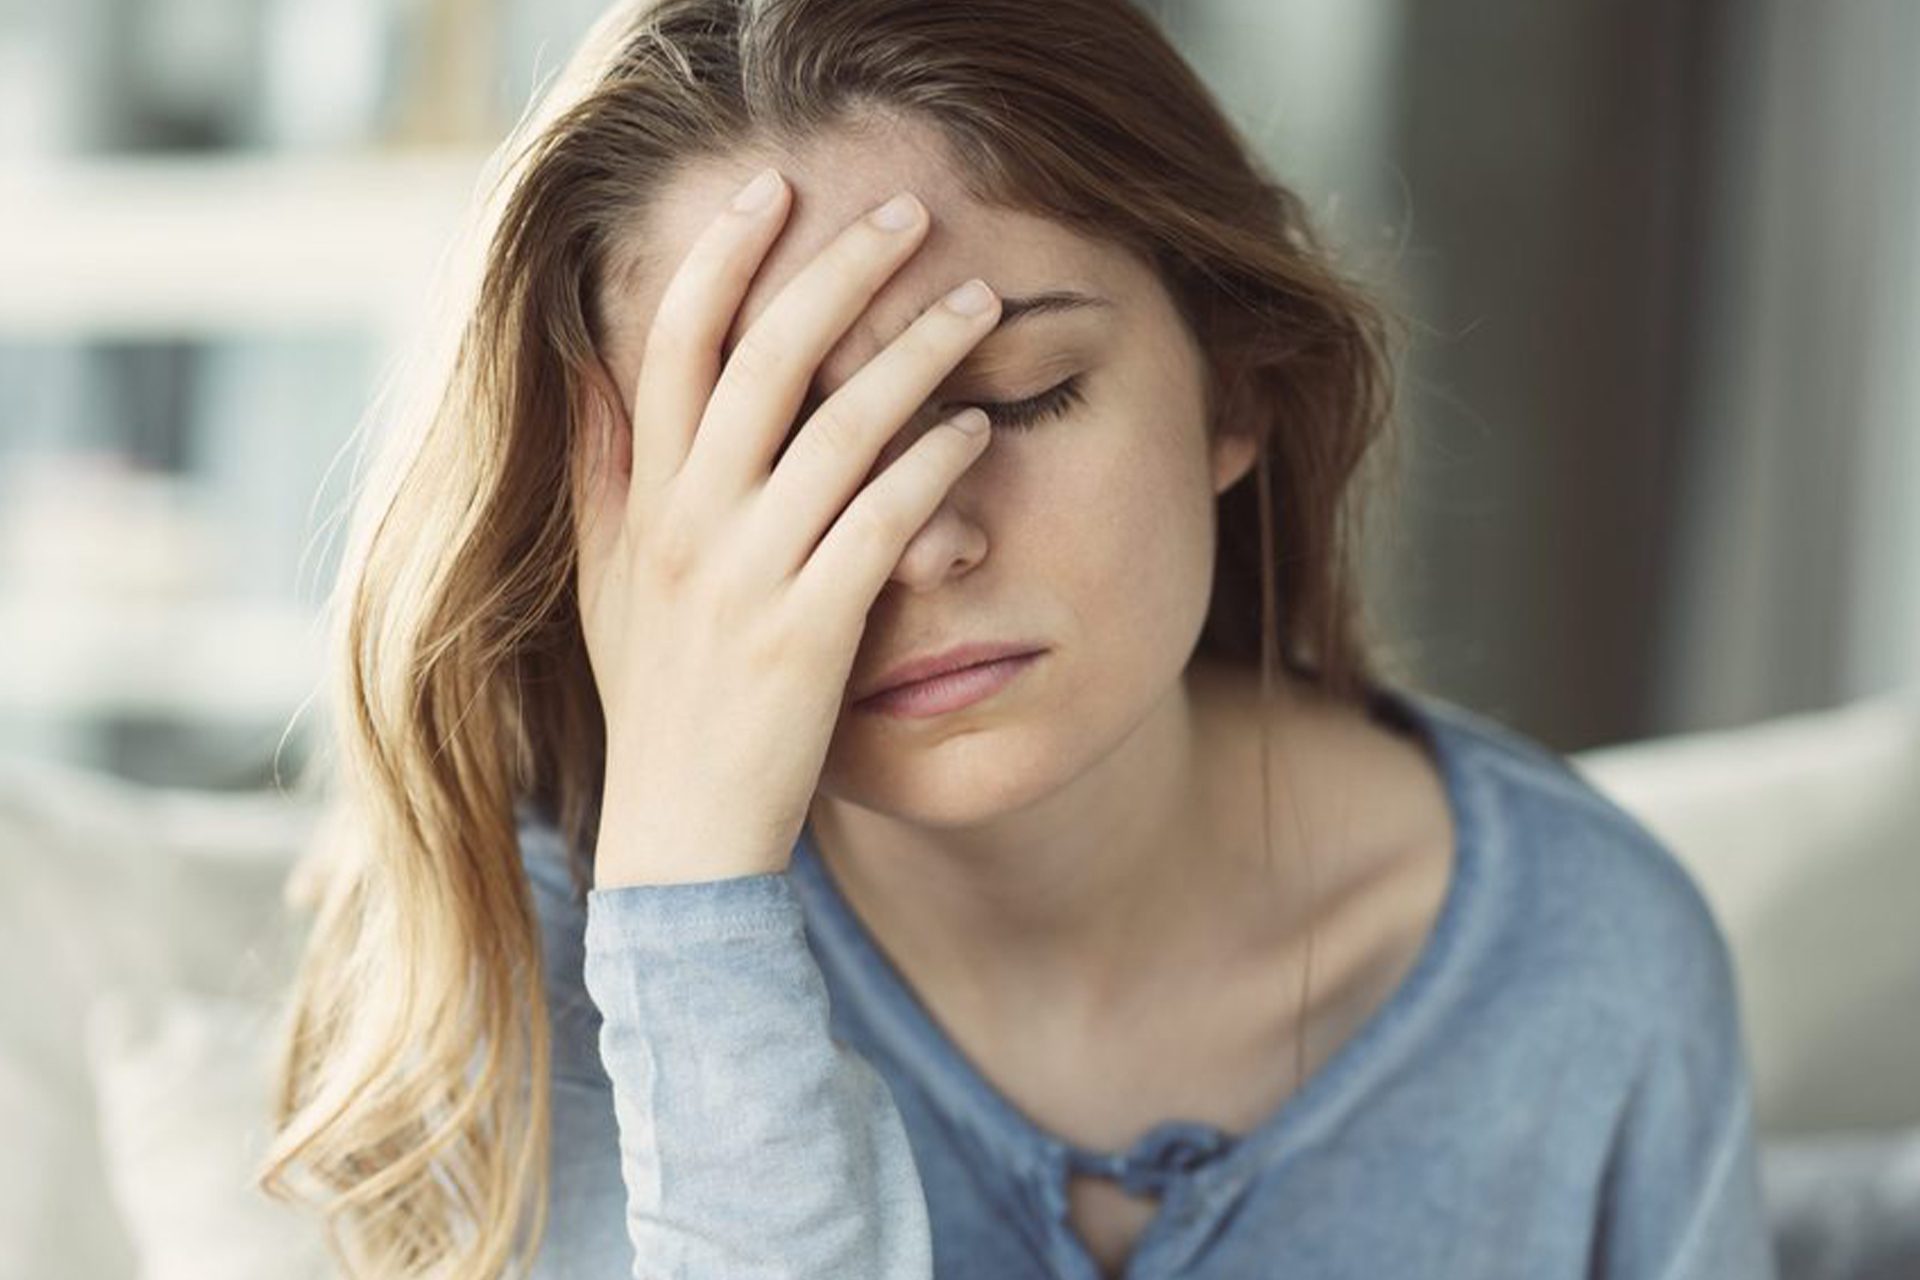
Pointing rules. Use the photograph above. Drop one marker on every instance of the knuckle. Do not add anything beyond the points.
(872, 521)
(670, 336)
(673, 550)
(753, 359)
(681, 302)
(862, 252)
(930, 342)
(706, 263)
(766, 644)
(834, 430)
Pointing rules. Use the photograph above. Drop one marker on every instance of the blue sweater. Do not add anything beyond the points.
(746, 1088)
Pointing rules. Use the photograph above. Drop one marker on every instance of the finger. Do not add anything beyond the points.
(766, 377)
(853, 562)
(835, 451)
(681, 360)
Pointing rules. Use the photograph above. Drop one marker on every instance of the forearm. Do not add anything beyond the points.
(752, 1144)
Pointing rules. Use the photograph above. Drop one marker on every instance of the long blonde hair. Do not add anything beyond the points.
(411, 1098)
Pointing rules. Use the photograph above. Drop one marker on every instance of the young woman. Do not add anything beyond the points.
(794, 823)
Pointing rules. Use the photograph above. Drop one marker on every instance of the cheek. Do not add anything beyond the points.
(1126, 529)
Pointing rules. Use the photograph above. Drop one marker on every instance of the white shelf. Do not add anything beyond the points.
(140, 246)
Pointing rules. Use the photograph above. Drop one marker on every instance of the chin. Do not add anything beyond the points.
(962, 780)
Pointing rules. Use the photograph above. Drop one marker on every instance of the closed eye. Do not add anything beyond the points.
(1023, 415)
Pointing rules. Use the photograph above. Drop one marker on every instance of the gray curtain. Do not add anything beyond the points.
(1798, 580)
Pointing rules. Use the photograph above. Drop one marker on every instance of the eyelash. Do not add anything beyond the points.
(1024, 415)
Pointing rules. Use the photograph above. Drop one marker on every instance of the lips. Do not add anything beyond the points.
(966, 655)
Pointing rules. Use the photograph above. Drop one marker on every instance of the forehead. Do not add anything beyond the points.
(837, 178)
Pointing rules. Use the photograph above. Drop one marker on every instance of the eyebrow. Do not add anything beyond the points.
(1016, 308)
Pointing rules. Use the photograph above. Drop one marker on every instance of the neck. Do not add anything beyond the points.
(1078, 901)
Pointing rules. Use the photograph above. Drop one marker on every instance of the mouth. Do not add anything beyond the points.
(950, 689)
(969, 654)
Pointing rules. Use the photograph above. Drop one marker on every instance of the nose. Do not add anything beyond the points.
(951, 541)
(949, 544)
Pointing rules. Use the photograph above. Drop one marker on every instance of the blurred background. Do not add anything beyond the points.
(1657, 504)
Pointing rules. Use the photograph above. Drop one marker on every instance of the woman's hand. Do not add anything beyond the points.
(723, 597)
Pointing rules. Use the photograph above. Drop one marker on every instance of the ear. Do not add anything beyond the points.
(1233, 452)
(1233, 434)
(1233, 439)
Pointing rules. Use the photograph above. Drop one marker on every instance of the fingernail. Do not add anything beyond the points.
(971, 298)
(972, 421)
(758, 193)
(896, 214)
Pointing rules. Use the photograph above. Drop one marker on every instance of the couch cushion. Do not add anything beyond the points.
(1804, 834)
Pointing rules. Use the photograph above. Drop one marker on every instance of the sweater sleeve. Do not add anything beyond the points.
(752, 1145)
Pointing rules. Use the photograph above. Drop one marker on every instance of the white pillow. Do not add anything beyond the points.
(1803, 832)
(108, 885)
(183, 1086)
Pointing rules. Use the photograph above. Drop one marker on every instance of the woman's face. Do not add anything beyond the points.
(1090, 533)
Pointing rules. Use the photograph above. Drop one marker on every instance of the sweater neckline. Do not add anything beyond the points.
(1195, 1167)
